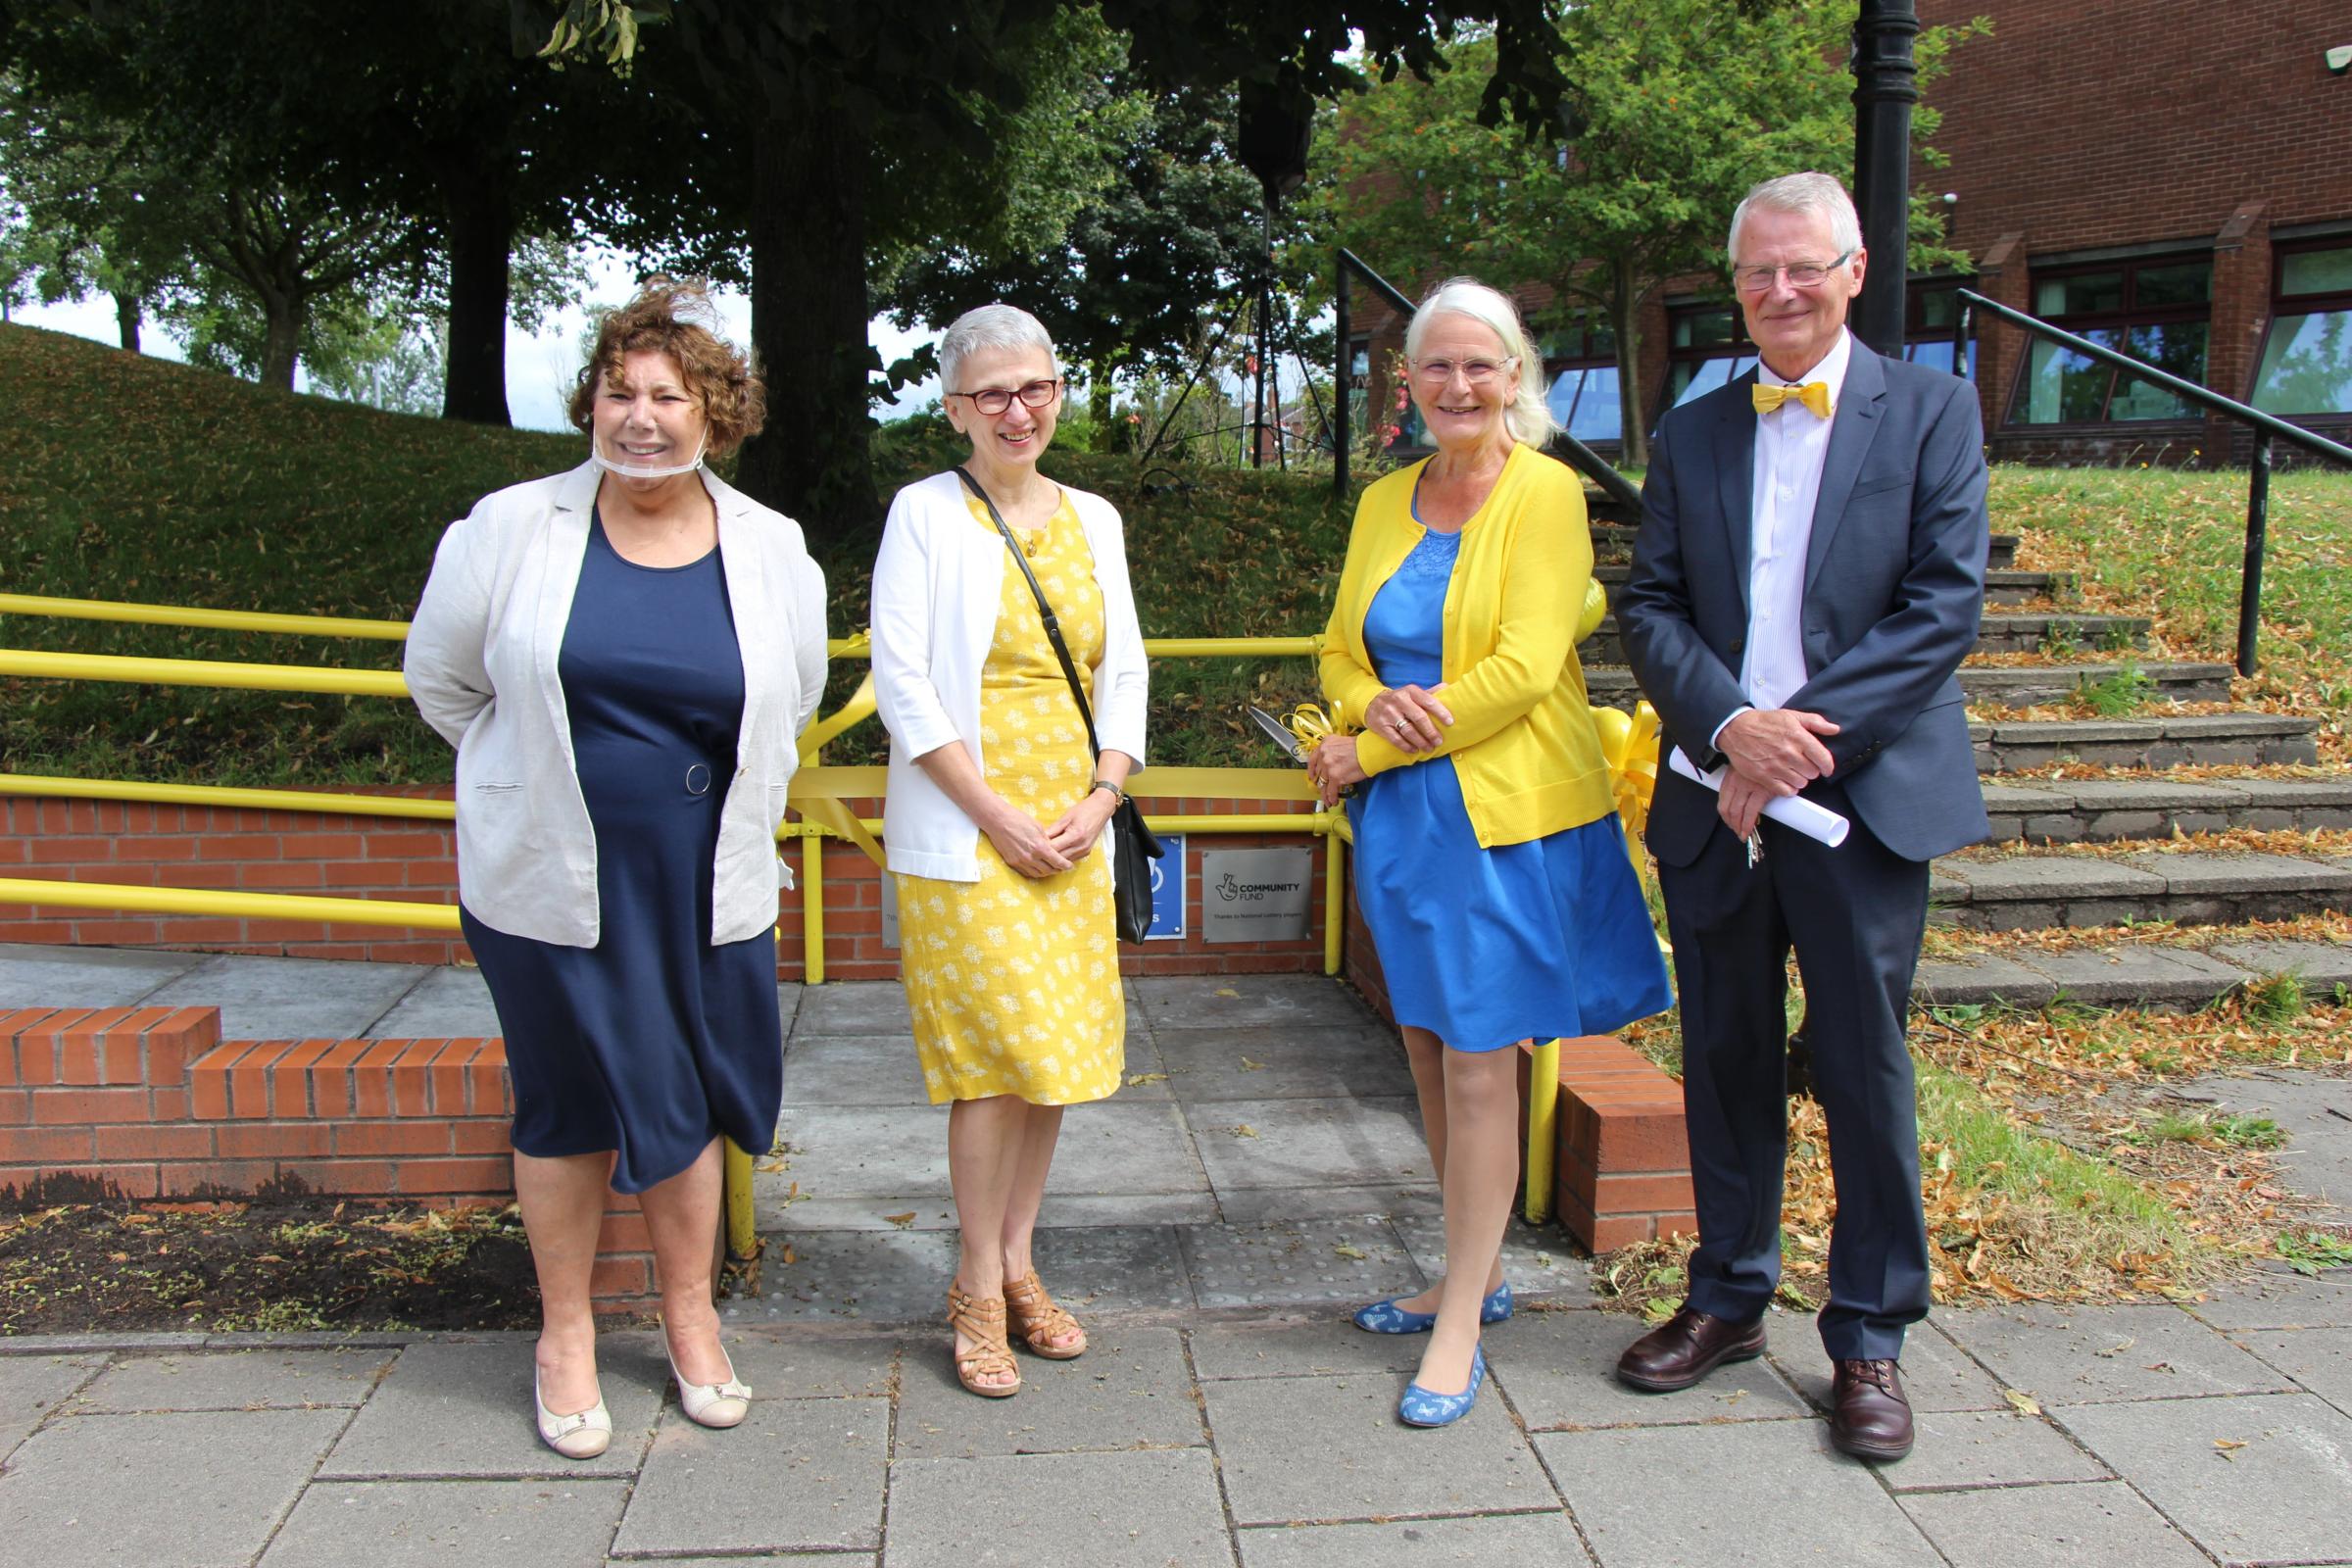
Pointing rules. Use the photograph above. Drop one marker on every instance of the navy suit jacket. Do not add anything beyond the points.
(1895, 586)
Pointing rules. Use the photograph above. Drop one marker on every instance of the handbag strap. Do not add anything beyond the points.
(1045, 611)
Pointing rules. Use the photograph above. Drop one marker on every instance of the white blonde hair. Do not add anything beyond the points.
(990, 326)
(1808, 192)
(1528, 415)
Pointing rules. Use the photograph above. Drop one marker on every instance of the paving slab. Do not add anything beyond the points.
(862, 1069)
(1145, 1509)
(2050, 878)
(1368, 1464)
(764, 1559)
(853, 1276)
(854, 1007)
(1559, 1369)
(2321, 965)
(1212, 1065)
(797, 1475)
(2261, 1477)
(1540, 1539)
(2081, 1355)
(235, 1380)
(2194, 873)
(1113, 1268)
(1131, 1390)
(1291, 1144)
(1536, 1259)
(2135, 974)
(934, 1211)
(37, 976)
(1321, 1346)
(2281, 1297)
(2102, 1525)
(290, 999)
(33, 1386)
(1950, 982)
(1757, 1494)
(429, 1523)
(453, 1409)
(194, 1491)
(1250, 1002)
(1342, 1261)
(450, 1002)
(782, 1365)
(1989, 1448)
(1107, 1147)
(1937, 1374)
(1269, 1206)
(2316, 1114)
(2319, 1359)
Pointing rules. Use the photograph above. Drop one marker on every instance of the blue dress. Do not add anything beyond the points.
(653, 1042)
(1486, 947)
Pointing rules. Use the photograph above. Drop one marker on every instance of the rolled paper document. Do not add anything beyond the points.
(1815, 822)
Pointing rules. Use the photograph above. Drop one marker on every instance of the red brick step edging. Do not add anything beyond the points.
(1623, 1160)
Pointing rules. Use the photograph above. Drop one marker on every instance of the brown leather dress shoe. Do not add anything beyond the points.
(1869, 1416)
(1686, 1347)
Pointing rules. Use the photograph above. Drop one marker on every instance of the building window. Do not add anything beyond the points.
(1705, 346)
(1928, 306)
(1580, 364)
(2158, 310)
(2307, 356)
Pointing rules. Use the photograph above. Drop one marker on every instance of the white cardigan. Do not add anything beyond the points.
(937, 584)
(481, 663)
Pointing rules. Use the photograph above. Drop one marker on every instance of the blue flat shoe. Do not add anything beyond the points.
(1421, 1408)
(1387, 1317)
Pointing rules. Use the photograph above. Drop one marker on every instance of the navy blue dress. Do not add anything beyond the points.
(1485, 947)
(653, 1042)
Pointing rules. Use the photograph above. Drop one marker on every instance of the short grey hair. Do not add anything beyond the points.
(1807, 192)
(1527, 416)
(989, 326)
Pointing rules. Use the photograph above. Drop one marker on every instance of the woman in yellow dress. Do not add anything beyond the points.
(996, 826)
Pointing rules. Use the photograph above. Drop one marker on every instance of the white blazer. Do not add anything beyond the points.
(481, 665)
(937, 585)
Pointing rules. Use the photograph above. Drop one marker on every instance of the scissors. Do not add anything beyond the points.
(1281, 735)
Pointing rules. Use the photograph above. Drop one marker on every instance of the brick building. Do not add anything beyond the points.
(2166, 177)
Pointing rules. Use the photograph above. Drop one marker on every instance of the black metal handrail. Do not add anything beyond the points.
(1580, 457)
(2266, 426)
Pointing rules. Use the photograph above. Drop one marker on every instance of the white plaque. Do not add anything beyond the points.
(1256, 895)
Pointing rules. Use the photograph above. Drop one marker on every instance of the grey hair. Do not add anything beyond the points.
(1807, 192)
(989, 326)
(1527, 416)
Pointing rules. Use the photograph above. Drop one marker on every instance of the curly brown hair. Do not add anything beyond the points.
(675, 316)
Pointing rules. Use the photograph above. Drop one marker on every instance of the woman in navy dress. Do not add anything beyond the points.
(623, 656)
(1490, 863)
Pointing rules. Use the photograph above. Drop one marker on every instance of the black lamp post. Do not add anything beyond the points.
(1886, 87)
(1272, 139)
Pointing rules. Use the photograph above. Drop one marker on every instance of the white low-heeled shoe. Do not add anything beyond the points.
(583, 1435)
(712, 1405)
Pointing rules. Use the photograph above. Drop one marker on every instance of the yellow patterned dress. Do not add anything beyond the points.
(1014, 981)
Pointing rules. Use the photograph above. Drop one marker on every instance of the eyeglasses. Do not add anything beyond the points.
(1478, 373)
(1800, 275)
(994, 400)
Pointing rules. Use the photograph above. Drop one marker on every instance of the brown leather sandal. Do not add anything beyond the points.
(1039, 1322)
(983, 1323)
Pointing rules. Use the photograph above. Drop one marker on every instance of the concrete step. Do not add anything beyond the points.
(2032, 892)
(2000, 587)
(2078, 810)
(1991, 686)
(1995, 634)
(2186, 740)
(2133, 974)
(1613, 539)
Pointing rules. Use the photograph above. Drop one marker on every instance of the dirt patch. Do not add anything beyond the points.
(225, 1267)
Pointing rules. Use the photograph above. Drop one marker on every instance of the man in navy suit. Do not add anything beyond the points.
(1808, 576)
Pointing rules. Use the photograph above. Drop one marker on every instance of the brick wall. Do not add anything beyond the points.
(150, 1103)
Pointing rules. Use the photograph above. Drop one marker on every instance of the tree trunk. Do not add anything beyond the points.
(809, 322)
(481, 238)
(282, 316)
(1625, 311)
(126, 319)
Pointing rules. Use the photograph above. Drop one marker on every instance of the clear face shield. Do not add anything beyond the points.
(631, 469)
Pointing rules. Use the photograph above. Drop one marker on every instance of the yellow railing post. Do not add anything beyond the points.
(1335, 898)
(813, 908)
(743, 1234)
(1542, 1111)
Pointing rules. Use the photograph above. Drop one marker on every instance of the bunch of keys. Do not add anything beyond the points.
(1755, 847)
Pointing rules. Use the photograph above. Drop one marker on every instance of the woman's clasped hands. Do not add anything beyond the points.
(1408, 718)
(1036, 849)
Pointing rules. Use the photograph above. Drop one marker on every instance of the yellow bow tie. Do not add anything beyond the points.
(1814, 395)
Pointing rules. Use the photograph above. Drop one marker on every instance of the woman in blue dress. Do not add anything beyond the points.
(623, 657)
(1490, 863)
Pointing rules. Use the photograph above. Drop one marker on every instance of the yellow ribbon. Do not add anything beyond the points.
(1629, 744)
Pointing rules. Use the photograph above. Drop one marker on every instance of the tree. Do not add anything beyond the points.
(1674, 108)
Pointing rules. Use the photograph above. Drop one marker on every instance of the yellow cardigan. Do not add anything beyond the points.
(1522, 739)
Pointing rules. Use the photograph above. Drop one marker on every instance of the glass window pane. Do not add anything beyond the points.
(1561, 399)
(2061, 386)
(1598, 416)
(1935, 307)
(1698, 329)
(1701, 378)
(2175, 346)
(1601, 343)
(2083, 292)
(2316, 272)
(2181, 283)
(1359, 357)
(1933, 353)
(2307, 364)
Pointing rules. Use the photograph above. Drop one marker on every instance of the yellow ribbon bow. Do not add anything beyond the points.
(1629, 744)
(1814, 395)
(1309, 724)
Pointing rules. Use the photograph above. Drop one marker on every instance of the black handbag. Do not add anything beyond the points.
(1133, 845)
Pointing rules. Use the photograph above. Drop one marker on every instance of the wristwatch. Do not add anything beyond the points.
(1116, 794)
